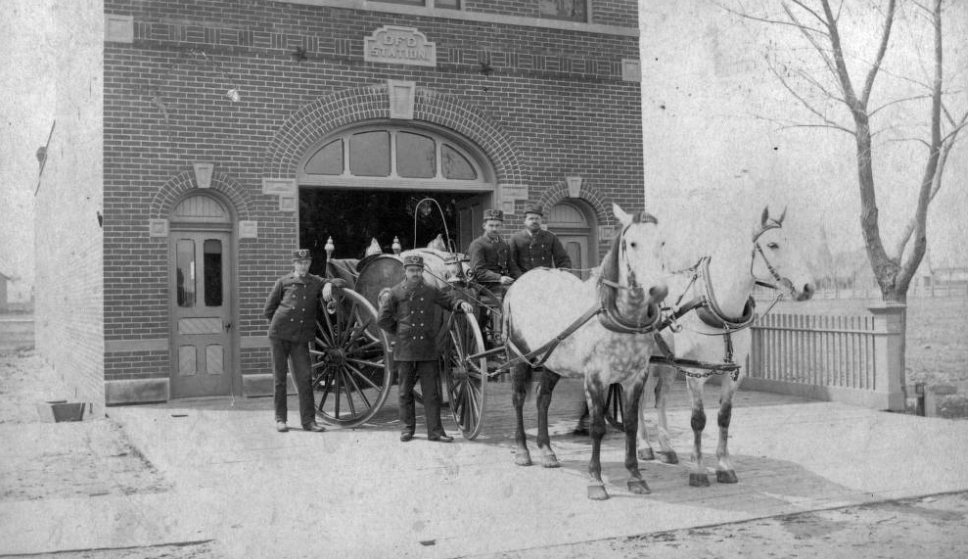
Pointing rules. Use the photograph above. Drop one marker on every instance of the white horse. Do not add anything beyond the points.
(715, 297)
(553, 311)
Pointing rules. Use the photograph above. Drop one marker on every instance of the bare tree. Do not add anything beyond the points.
(830, 82)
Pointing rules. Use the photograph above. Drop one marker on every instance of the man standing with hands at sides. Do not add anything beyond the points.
(291, 309)
(406, 312)
(491, 265)
(534, 247)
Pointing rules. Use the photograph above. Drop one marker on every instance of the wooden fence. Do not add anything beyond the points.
(855, 359)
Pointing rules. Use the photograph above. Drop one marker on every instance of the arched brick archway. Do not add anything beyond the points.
(179, 185)
(589, 194)
(311, 123)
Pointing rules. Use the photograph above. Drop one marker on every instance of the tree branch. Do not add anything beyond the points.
(881, 50)
(746, 15)
(931, 170)
(803, 101)
(812, 40)
(896, 101)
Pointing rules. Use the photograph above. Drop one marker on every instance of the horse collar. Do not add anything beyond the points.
(712, 314)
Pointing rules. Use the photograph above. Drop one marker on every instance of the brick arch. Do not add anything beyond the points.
(181, 184)
(313, 122)
(588, 194)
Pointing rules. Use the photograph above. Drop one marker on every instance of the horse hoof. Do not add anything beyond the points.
(646, 454)
(726, 476)
(669, 457)
(639, 487)
(522, 460)
(597, 493)
(550, 462)
(698, 480)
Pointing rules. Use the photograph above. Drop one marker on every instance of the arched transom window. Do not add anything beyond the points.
(390, 157)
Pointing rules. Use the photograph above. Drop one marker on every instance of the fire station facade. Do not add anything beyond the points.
(211, 138)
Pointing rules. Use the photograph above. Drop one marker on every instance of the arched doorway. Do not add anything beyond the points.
(573, 221)
(365, 183)
(201, 297)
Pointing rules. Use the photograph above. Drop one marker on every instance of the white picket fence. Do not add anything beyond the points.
(854, 358)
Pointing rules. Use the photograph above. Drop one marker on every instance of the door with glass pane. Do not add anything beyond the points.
(201, 314)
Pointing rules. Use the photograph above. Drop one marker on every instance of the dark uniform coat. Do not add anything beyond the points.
(491, 259)
(407, 311)
(291, 307)
(540, 249)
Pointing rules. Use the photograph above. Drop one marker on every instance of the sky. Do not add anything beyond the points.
(26, 115)
(715, 144)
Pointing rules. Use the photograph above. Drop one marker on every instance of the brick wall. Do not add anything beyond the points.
(556, 95)
(68, 239)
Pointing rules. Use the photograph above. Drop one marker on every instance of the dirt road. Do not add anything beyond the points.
(95, 458)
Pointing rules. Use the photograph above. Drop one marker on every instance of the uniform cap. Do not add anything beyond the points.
(534, 209)
(413, 260)
(302, 254)
(494, 214)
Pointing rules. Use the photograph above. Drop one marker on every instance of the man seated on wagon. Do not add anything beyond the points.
(534, 247)
(492, 267)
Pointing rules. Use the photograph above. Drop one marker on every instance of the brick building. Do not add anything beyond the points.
(197, 143)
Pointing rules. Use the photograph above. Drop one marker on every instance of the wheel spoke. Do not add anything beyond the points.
(365, 363)
(356, 390)
(326, 391)
(344, 390)
(362, 376)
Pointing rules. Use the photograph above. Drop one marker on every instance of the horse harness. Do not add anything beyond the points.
(709, 312)
(609, 315)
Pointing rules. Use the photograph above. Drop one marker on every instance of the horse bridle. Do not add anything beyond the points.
(757, 249)
(611, 318)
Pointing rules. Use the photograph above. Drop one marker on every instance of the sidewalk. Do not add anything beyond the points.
(228, 477)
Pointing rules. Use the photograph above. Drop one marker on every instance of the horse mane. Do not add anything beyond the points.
(609, 273)
(610, 262)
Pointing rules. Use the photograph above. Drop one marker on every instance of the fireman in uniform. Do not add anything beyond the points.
(492, 267)
(534, 247)
(291, 310)
(407, 312)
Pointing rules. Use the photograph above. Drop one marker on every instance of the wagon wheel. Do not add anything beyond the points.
(351, 371)
(615, 406)
(466, 375)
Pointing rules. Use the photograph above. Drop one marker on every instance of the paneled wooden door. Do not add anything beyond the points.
(201, 312)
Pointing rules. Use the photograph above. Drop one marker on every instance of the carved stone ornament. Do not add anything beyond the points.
(392, 44)
(203, 174)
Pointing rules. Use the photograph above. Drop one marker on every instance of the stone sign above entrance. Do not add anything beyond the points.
(392, 44)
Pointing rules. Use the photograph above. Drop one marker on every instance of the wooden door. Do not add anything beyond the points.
(201, 314)
(470, 221)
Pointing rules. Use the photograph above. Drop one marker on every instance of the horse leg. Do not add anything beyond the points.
(698, 477)
(636, 483)
(545, 387)
(643, 445)
(520, 381)
(595, 395)
(667, 375)
(725, 473)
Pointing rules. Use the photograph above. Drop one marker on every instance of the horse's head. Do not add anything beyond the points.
(777, 261)
(637, 255)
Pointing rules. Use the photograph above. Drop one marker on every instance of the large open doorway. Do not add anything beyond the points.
(353, 217)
